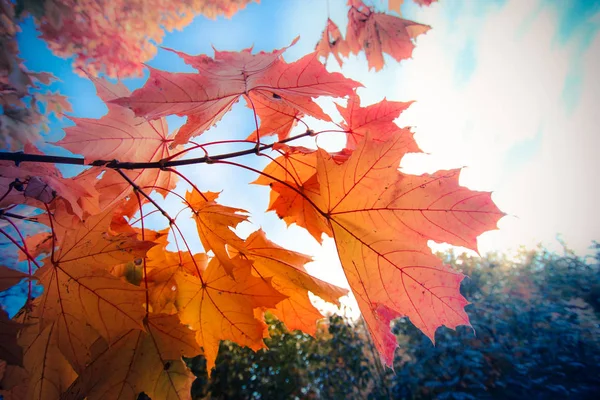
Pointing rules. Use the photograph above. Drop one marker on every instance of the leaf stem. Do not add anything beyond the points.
(27, 254)
(139, 199)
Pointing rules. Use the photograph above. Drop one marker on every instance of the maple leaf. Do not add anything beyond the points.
(162, 268)
(379, 33)
(78, 289)
(276, 118)
(214, 222)
(9, 349)
(219, 307)
(142, 361)
(332, 42)
(37, 244)
(120, 135)
(287, 274)
(48, 371)
(381, 221)
(10, 277)
(395, 5)
(292, 178)
(275, 84)
(14, 382)
(376, 119)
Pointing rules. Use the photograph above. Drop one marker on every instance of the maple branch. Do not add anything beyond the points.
(4, 213)
(19, 157)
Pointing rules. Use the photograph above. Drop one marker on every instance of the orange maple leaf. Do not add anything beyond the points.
(381, 221)
(10, 277)
(395, 5)
(162, 268)
(14, 382)
(10, 351)
(37, 244)
(292, 178)
(141, 361)
(223, 79)
(285, 269)
(214, 222)
(78, 289)
(48, 371)
(219, 307)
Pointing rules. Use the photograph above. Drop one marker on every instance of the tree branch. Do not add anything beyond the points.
(19, 157)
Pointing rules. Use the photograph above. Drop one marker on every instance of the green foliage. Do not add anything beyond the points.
(535, 337)
(331, 365)
(536, 334)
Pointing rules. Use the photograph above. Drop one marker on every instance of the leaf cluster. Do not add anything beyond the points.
(125, 298)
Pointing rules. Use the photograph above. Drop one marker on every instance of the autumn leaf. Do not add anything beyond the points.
(162, 268)
(264, 77)
(48, 371)
(378, 33)
(14, 383)
(381, 221)
(79, 290)
(142, 361)
(287, 274)
(292, 178)
(120, 135)
(332, 42)
(214, 222)
(37, 244)
(9, 348)
(377, 120)
(219, 307)
(276, 118)
(120, 307)
(395, 5)
(10, 277)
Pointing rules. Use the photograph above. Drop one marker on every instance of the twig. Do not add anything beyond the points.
(19, 157)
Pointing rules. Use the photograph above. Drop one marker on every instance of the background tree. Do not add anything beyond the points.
(525, 341)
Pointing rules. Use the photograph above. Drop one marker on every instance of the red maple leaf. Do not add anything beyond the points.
(264, 78)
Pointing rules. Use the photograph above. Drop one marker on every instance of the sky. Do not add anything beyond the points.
(509, 90)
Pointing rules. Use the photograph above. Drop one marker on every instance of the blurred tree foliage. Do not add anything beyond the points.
(536, 335)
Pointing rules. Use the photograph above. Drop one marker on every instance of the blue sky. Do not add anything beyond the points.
(509, 89)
